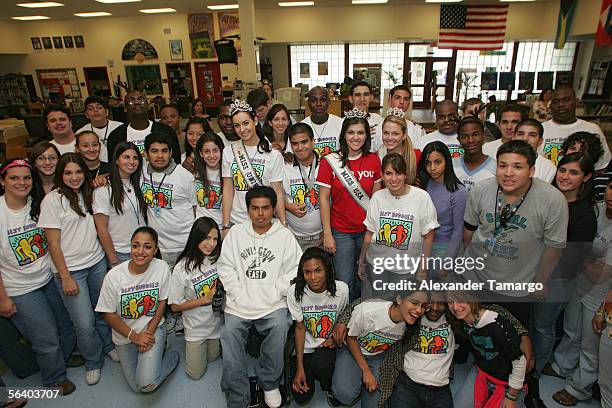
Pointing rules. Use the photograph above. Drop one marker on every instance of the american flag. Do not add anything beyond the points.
(472, 27)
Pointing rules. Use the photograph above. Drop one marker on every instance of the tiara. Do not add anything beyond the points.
(355, 113)
(240, 106)
(396, 112)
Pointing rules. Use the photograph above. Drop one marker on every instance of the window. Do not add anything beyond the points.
(312, 54)
(390, 55)
(542, 56)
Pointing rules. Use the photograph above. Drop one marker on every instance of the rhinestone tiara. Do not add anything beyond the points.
(396, 112)
(240, 106)
(355, 113)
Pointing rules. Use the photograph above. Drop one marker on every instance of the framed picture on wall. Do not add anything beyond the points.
(57, 43)
(78, 41)
(46, 41)
(176, 49)
(36, 44)
(68, 42)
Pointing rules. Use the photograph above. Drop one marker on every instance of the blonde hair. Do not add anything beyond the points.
(408, 148)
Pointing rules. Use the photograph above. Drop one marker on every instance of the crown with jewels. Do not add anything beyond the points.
(240, 106)
(396, 112)
(355, 113)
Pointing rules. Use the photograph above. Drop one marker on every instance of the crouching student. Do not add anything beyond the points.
(133, 299)
(192, 287)
(315, 300)
(374, 326)
(258, 262)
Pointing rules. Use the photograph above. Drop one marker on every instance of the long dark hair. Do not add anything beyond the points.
(37, 150)
(586, 165)
(451, 182)
(116, 185)
(344, 150)
(199, 232)
(194, 103)
(86, 189)
(200, 165)
(267, 129)
(205, 127)
(36, 193)
(330, 275)
(263, 146)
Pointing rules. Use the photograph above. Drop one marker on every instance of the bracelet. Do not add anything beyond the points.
(599, 313)
(226, 226)
(129, 334)
(511, 397)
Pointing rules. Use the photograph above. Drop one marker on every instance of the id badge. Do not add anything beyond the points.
(309, 207)
(490, 245)
(157, 211)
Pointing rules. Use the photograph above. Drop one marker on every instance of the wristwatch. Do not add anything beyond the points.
(226, 226)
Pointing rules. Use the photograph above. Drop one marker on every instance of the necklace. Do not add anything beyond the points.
(319, 134)
(105, 131)
(136, 213)
(507, 211)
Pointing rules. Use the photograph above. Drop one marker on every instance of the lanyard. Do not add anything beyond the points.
(502, 210)
(155, 191)
(310, 182)
(127, 195)
(105, 131)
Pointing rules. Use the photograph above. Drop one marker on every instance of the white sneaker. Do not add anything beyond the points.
(92, 376)
(113, 355)
(273, 398)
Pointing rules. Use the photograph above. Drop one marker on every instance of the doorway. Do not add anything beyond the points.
(432, 74)
(180, 85)
(208, 80)
(97, 81)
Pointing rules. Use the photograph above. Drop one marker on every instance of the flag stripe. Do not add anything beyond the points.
(472, 26)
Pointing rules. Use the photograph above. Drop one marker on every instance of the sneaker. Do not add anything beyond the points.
(179, 329)
(66, 387)
(92, 376)
(273, 398)
(113, 355)
(170, 323)
(331, 400)
(75, 360)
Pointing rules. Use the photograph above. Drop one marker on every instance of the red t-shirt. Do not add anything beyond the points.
(346, 215)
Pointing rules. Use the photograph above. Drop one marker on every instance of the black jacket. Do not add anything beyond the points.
(120, 135)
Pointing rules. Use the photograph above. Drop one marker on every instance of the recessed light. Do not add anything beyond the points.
(93, 14)
(370, 1)
(40, 5)
(296, 3)
(117, 1)
(223, 7)
(443, 1)
(158, 10)
(29, 18)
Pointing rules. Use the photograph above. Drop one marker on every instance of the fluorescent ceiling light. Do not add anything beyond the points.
(158, 10)
(117, 1)
(42, 4)
(443, 1)
(370, 1)
(296, 3)
(514, 1)
(223, 7)
(93, 14)
(29, 18)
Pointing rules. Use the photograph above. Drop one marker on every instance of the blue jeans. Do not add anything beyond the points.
(123, 256)
(408, 393)
(465, 395)
(348, 248)
(42, 318)
(235, 379)
(92, 332)
(347, 381)
(150, 368)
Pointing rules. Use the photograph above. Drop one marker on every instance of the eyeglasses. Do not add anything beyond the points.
(42, 159)
(138, 101)
(504, 216)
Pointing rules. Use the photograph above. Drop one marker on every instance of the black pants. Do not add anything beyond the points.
(317, 366)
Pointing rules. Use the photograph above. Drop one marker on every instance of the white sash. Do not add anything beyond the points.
(244, 165)
(348, 180)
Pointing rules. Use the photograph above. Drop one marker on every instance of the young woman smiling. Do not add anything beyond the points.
(278, 121)
(396, 140)
(44, 157)
(209, 183)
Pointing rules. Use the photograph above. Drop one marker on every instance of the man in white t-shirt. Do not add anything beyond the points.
(509, 118)
(447, 121)
(59, 123)
(399, 97)
(531, 131)
(97, 111)
(301, 189)
(360, 96)
(169, 192)
(325, 126)
(474, 166)
(564, 123)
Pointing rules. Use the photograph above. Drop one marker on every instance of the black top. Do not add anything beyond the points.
(120, 135)
(104, 168)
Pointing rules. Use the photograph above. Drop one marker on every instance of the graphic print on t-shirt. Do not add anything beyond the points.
(394, 229)
(456, 151)
(137, 304)
(319, 323)
(302, 195)
(203, 283)
(255, 257)
(434, 341)
(484, 346)
(552, 151)
(501, 244)
(324, 147)
(377, 341)
(240, 183)
(156, 197)
(208, 198)
(28, 246)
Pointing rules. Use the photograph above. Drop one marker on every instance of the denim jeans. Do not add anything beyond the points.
(605, 374)
(465, 395)
(123, 256)
(408, 393)
(170, 257)
(347, 381)
(235, 379)
(149, 368)
(42, 318)
(348, 248)
(92, 332)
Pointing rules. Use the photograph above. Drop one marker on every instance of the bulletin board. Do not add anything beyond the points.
(59, 84)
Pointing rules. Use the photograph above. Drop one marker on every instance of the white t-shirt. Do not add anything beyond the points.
(103, 134)
(375, 121)
(23, 248)
(64, 148)
(544, 169)
(79, 239)
(297, 190)
(138, 136)
(267, 166)
(326, 135)
(374, 329)
(451, 141)
(318, 312)
(134, 298)
(398, 223)
(468, 177)
(490, 148)
(120, 226)
(415, 133)
(209, 200)
(555, 134)
(200, 323)
(224, 139)
(430, 364)
(170, 198)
